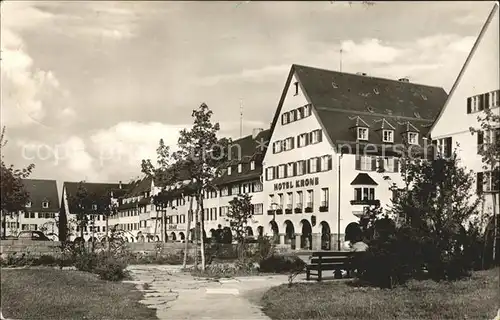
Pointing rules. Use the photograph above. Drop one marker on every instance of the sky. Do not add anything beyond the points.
(89, 88)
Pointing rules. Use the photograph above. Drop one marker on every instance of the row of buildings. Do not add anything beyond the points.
(331, 151)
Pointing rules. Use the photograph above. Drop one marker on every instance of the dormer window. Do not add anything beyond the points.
(412, 138)
(375, 90)
(239, 168)
(362, 133)
(388, 136)
(296, 84)
(228, 171)
(45, 204)
(28, 204)
(94, 207)
(252, 165)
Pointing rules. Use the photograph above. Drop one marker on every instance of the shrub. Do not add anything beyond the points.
(86, 261)
(45, 260)
(281, 264)
(111, 268)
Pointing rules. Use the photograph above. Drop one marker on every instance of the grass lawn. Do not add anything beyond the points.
(63, 294)
(475, 298)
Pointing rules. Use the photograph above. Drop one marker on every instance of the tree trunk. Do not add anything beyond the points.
(163, 226)
(107, 234)
(495, 228)
(4, 223)
(156, 223)
(93, 233)
(186, 238)
(202, 233)
(196, 234)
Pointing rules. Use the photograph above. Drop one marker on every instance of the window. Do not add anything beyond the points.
(300, 113)
(313, 165)
(490, 181)
(307, 110)
(301, 167)
(296, 84)
(366, 163)
(289, 200)
(326, 163)
(94, 207)
(257, 186)
(315, 136)
(362, 133)
(277, 147)
(252, 165)
(228, 171)
(310, 198)
(271, 201)
(239, 168)
(281, 200)
(389, 164)
(293, 115)
(288, 144)
(33, 227)
(235, 189)
(300, 199)
(258, 208)
(324, 197)
(26, 215)
(412, 138)
(302, 140)
(270, 173)
(285, 118)
(494, 99)
(388, 136)
(364, 193)
(32, 215)
(45, 204)
(290, 169)
(281, 171)
(28, 204)
(26, 227)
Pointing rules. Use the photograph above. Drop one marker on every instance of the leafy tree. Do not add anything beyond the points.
(489, 133)
(80, 204)
(13, 194)
(204, 155)
(436, 205)
(239, 215)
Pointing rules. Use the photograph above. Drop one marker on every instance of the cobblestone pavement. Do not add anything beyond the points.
(178, 295)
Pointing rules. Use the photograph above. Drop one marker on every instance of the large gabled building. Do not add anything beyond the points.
(476, 88)
(332, 135)
(42, 209)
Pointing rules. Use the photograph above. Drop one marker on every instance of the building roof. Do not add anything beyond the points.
(342, 100)
(363, 179)
(468, 60)
(138, 187)
(244, 151)
(41, 190)
(95, 188)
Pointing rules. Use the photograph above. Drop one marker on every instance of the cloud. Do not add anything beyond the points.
(26, 91)
(370, 50)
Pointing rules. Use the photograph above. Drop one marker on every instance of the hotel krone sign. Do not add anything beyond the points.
(296, 184)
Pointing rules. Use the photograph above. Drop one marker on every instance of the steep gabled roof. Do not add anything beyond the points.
(96, 188)
(41, 190)
(336, 96)
(467, 61)
(138, 187)
(363, 179)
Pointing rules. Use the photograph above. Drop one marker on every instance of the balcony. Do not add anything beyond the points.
(279, 211)
(323, 209)
(288, 211)
(271, 212)
(309, 207)
(365, 202)
(298, 209)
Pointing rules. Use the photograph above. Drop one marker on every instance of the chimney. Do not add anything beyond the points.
(256, 131)
(120, 184)
(404, 79)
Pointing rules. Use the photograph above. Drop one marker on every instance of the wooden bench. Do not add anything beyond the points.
(331, 261)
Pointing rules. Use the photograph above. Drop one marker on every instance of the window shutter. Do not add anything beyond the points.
(396, 165)
(285, 171)
(308, 166)
(298, 141)
(295, 164)
(381, 164)
(486, 100)
(275, 172)
(320, 135)
(469, 107)
(292, 143)
(479, 182)
(283, 119)
(330, 163)
(358, 162)
(480, 141)
(308, 138)
(374, 163)
(318, 166)
(448, 146)
(481, 101)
